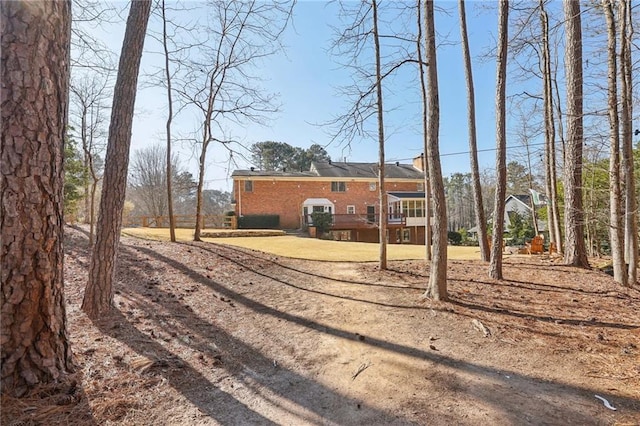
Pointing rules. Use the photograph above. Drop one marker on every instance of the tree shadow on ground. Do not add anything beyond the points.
(503, 378)
(246, 252)
(219, 349)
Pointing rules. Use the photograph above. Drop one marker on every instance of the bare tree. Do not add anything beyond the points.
(353, 45)
(575, 250)
(89, 93)
(168, 75)
(382, 192)
(148, 181)
(222, 81)
(495, 263)
(425, 141)
(481, 222)
(99, 292)
(616, 234)
(35, 90)
(551, 187)
(89, 52)
(626, 100)
(437, 287)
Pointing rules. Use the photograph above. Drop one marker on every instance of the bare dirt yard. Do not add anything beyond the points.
(206, 334)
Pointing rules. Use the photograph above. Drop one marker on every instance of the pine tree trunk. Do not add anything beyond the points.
(575, 251)
(495, 263)
(437, 287)
(35, 90)
(481, 222)
(551, 187)
(626, 98)
(616, 233)
(381, 186)
(99, 292)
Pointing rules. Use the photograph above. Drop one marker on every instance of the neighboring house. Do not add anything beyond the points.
(346, 190)
(521, 204)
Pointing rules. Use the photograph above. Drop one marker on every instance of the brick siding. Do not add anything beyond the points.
(284, 197)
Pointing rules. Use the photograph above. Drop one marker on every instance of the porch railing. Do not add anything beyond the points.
(340, 221)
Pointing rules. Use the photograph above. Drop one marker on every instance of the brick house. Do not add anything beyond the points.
(346, 190)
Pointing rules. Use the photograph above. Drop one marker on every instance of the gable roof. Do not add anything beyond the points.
(526, 199)
(339, 170)
(365, 170)
(271, 173)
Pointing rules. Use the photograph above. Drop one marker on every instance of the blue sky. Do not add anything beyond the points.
(306, 77)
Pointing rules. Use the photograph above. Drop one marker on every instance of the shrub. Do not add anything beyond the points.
(455, 238)
(259, 221)
(322, 221)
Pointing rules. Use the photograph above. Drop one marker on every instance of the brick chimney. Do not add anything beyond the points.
(418, 162)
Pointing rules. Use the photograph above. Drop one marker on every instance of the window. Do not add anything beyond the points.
(406, 235)
(248, 186)
(412, 208)
(338, 186)
(420, 187)
(342, 235)
(372, 186)
(351, 209)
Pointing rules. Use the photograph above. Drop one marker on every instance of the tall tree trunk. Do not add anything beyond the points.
(437, 287)
(381, 169)
(85, 161)
(616, 229)
(35, 90)
(555, 204)
(99, 292)
(626, 98)
(551, 188)
(423, 91)
(199, 201)
(172, 219)
(495, 264)
(481, 222)
(575, 251)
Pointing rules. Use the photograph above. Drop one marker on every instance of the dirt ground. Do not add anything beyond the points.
(205, 334)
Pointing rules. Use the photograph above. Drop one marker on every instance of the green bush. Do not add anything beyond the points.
(455, 238)
(322, 221)
(259, 221)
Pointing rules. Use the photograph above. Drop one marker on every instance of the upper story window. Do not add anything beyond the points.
(420, 187)
(372, 186)
(248, 186)
(351, 209)
(338, 186)
(412, 208)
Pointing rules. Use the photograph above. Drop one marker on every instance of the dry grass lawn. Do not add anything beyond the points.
(311, 248)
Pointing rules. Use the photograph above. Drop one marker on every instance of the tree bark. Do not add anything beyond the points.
(481, 222)
(575, 251)
(616, 234)
(626, 98)
(167, 62)
(381, 170)
(35, 90)
(495, 264)
(437, 287)
(551, 187)
(425, 123)
(98, 295)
